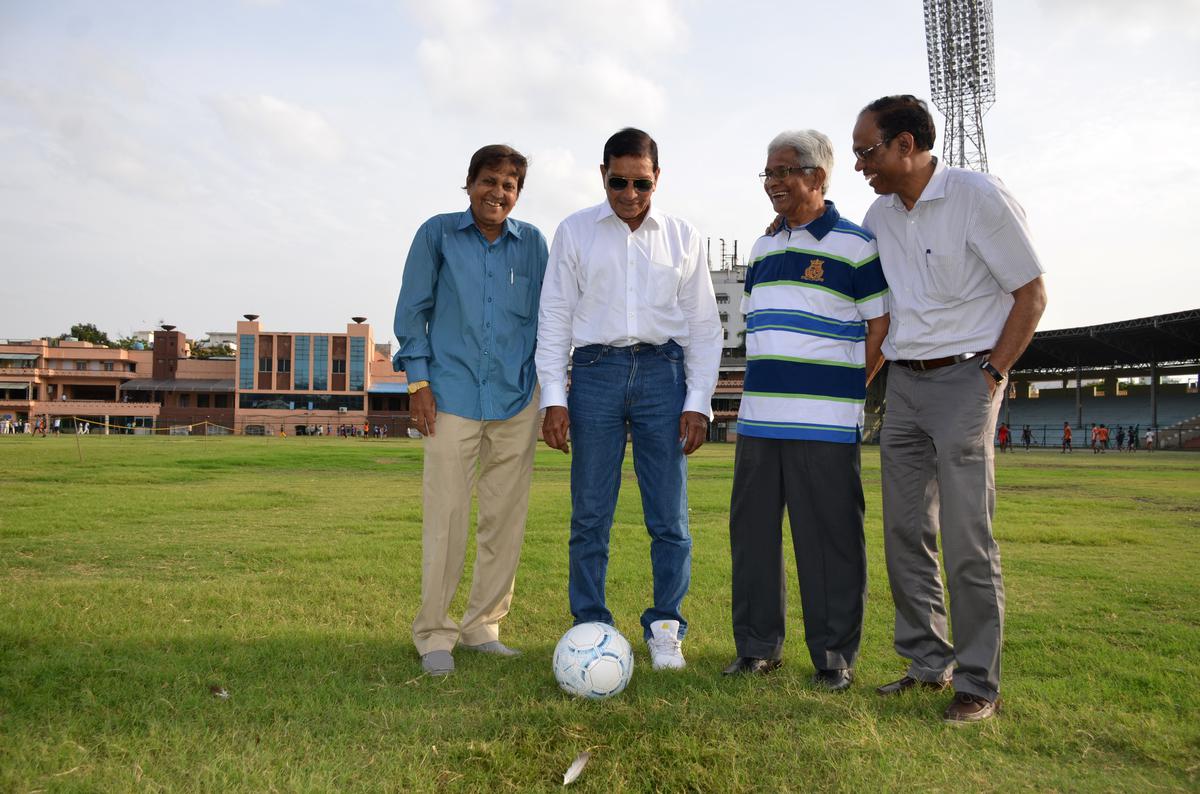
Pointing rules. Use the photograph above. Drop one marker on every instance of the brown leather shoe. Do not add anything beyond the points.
(908, 682)
(970, 708)
(748, 665)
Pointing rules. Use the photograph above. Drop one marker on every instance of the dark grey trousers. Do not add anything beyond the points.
(937, 471)
(819, 482)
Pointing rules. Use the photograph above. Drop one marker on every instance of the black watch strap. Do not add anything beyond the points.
(996, 374)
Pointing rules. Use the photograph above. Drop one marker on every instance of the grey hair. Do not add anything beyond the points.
(812, 148)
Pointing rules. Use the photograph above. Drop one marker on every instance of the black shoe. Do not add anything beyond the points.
(749, 665)
(908, 682)
(836, 680)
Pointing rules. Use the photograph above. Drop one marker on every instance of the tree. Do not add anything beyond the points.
(202, 348)
(87, 332)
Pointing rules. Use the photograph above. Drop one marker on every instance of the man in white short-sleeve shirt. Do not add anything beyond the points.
(966, 297)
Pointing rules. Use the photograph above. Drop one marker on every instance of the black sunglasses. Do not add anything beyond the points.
(640, 185)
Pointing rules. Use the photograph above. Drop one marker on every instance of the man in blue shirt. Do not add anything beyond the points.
(466, 321)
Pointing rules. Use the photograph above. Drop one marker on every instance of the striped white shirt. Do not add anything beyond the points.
(951, 263)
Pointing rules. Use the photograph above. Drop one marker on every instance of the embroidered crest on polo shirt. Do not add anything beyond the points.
(815, 271)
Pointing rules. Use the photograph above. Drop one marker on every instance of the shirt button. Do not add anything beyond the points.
(489, 300)
(489, 273)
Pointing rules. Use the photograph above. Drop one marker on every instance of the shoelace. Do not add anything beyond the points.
(665, 645)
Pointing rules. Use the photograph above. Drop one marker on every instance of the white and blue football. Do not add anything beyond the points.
(593, 660)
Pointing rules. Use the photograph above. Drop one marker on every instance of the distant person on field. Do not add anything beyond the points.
(1004, 435)
(1120, 438)
(800, 422)
(1133, 437)
(966, 296)
(1026, 437)
(1149, 440)
(1095, 439)
(466, 321)
(1103, 438)
(628, 290)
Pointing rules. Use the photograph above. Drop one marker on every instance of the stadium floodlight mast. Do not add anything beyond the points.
(962, 75)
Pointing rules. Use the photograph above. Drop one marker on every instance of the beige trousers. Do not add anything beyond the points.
(497, 458)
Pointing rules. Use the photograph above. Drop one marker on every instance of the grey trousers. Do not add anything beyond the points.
(937, 471)
(819, 482)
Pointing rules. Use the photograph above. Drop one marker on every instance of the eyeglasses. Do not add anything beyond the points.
(867, 152)
(619, 183)
(784, 171)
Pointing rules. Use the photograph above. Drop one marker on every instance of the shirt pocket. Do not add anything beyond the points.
(944, 277)
(520, 295)
(661, 286)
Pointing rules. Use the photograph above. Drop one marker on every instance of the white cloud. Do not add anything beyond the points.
(272, 127)
(540, 60)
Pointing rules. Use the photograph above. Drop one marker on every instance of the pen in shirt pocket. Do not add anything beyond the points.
(510, 276)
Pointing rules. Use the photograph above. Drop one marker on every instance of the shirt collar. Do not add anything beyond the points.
(510, 226)
(935, 188)
(819, 227)
(606, 211)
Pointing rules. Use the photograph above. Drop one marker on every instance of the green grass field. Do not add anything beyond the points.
(137, 573)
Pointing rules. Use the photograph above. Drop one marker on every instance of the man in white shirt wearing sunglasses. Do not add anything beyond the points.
(628, 288)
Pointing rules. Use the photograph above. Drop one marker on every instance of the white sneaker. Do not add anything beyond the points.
(665, 653)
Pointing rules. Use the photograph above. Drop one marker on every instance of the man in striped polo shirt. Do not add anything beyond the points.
(816, 307)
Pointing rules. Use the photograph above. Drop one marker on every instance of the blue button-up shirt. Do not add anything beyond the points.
(466, 318)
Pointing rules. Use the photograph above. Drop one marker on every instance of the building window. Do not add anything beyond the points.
(320, 373)
(184, 400)
(108, 366)
(722, 297)
(339, 366)
(80, 365)
(201, 400)
(302, 348)
(220, 401)
(246, 361)
(264, 363)
(285, 365)
(724, 317)
(358, 362)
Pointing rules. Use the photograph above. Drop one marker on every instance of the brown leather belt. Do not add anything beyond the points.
(937, 363)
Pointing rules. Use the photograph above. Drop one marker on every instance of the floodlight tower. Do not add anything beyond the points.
(962, 75)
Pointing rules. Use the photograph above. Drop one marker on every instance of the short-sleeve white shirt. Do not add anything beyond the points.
(951, 263)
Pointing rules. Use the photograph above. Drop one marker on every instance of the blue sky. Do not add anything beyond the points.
(194, 161)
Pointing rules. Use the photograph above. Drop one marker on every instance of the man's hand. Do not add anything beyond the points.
(693, 427)
(556, 429)
(992, 385)
(422, 406)
(775, 226)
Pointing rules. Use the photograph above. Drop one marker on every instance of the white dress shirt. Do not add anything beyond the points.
(951, 263)
(607, 285)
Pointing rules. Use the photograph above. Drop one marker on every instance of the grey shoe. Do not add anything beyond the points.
(438, 663)
(494, 647)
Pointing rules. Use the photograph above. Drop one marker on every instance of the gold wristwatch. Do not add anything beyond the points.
(417, 385)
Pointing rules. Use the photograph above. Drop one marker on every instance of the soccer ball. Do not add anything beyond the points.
(593, 660)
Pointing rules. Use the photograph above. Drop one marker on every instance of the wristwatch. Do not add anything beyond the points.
(987, 367)
(417, 385)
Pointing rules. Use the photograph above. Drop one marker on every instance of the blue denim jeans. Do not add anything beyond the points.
(637, 390)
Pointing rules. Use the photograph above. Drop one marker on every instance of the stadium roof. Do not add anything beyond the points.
(1162, 339)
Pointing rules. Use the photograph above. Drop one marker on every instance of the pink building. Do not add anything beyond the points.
(289, 381)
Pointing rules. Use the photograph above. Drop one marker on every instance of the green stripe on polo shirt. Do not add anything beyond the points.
(804, 396)
(879, 294)
(811, 331)
(795, 360)
(807, 284)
